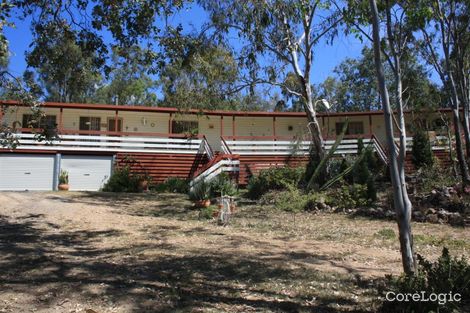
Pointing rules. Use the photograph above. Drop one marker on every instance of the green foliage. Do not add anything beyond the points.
(207, 213)
(318, 177)
(295, 200)
(435, 176)
(292, 200)
(421, 150)
(223, 185)
(447, 275)
(122, 180)
(200, 191)
(128, 81)
(200, 77)
(353, 84)
(63, 177)
(350, 196)
(386, 233)
(361, 172)
(276, 178)
(173, 184)
(365, 170)
(66, 65)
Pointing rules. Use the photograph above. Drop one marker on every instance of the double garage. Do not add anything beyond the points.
(32, 171)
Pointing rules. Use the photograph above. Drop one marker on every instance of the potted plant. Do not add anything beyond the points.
(200, 194)
(64, 180)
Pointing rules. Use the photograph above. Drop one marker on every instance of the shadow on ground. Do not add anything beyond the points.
(174, 206)
(52, 264)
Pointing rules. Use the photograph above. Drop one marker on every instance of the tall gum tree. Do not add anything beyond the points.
(437, 22)
(392, 49)
(279, 38)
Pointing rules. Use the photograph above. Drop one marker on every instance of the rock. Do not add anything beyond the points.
(442, 214)
(431, 211)
(432, 218)
(456, 219)
(466, 190)
(322, 206)
(418, 216)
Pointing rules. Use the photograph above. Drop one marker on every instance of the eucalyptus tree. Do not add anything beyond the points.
(460, 60)
(439, 23)
(67, 66)
(10, 84)
(391, 20)
(352, 85)
(400, 195)
(277, 38)
(202, 77)
(127, 81)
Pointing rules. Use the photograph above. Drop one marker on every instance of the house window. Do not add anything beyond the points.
(111, 124)
(181, 127)
(354, 128)
(48, 121)
(90, 123)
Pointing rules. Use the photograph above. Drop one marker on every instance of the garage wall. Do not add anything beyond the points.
(26, 171)
(87, 172)
(32, 171)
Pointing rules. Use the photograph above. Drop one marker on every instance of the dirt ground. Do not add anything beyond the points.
(98, 252)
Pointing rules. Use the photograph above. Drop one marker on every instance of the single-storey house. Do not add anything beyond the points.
(165, 142)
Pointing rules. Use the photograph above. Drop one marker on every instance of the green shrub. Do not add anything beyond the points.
(175, 184)
(371, 190)
(292, 200)
(276, 178)
(385, 233)
(223, 185)
(366, 170)
(433, 177)
(447, 275)
(122, 180)
(207, 213)
(350, 196)
(295, 200)
(200, 191)
(421, 149)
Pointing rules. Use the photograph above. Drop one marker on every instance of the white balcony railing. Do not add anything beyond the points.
(112, 144)
(284, 147)
(438, 143)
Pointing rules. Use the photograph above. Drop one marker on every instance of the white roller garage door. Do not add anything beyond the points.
(87, 172)
(26, 172)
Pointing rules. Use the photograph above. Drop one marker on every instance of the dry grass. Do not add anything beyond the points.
(151, 253)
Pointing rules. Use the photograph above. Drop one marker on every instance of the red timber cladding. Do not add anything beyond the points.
(162, 166)
(251, 164)
(442, 157)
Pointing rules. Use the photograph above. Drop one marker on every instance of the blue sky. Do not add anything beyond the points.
(326, 57)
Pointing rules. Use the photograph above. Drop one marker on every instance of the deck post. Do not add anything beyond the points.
(1, 113)
(370, 125)
(61, 119)
(233, 126)
(221, 125)
(170, 123)
(116, 121)
(274, 128)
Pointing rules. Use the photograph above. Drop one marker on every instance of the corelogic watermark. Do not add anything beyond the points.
(423, 296)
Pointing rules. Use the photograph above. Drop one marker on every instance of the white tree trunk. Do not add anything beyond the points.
(400, 194)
